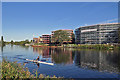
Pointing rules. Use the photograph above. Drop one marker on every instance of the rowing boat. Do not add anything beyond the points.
(40, 62)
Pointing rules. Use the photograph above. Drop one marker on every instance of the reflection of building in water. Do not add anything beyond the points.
(57, 55)
(46, 52)
(37, 50)
(61, 56)
(97, 60)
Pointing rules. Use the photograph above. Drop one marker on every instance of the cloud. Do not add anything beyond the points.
(109, 21)
(115, 20)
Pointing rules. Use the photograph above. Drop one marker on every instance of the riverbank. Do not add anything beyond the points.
(85, 46)
(78, 46)
(15, 70)
(94, 46)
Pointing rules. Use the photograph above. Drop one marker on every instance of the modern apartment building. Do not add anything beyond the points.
(97, 34)
(68, 31)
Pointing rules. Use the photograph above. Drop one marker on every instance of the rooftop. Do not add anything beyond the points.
(35, 38)
(99, 24)
(64, 30)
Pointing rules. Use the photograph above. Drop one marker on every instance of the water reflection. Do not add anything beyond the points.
(61, 56)
(57, 55)
(1, 48)
(44, 51)
(107, 61)
(99, 60)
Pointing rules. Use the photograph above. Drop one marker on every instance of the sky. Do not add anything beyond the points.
(60, 0)
(25, 20)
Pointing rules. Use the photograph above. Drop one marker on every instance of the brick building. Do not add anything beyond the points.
(35, 40)
(46, 39)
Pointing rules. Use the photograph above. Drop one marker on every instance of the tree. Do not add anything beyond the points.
(2, 41)
(60, 36)
(73, 38)
(12, 42)
(119, 35)
(31, 41)
(26, 41)
(2, 38)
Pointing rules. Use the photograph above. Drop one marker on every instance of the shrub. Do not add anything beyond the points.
(14, 70)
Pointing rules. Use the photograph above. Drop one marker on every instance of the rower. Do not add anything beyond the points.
(37, 58)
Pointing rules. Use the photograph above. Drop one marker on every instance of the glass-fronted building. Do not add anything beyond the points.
(97, 34)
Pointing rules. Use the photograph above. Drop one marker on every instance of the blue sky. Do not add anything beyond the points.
(60, 0)
(22, 20)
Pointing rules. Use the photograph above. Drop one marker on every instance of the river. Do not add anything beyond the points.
(68, 62)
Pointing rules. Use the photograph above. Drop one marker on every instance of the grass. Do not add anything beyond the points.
(41, 44)
(95, 46)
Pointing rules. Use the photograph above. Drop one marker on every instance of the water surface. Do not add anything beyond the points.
(68, 62)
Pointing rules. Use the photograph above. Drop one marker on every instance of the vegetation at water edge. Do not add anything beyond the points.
(14, 70)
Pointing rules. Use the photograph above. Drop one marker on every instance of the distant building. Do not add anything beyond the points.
(67, 30)
(42, 39)
(97, 34)
(35, 40)
(46, 38)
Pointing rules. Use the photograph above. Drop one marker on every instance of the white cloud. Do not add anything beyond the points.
(110, 21)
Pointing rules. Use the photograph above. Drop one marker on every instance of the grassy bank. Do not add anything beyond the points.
(95, 46)
(15, 70)
(41, 44)
(85, 46)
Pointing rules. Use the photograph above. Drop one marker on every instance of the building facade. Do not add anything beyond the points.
(42, 39)
(46, 38)
(69, 31)
(38, 40)
(97, 34)
(35, 40)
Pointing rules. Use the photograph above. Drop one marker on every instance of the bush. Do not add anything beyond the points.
(14, 70)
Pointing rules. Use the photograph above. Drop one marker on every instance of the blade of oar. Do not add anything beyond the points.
(47, 63)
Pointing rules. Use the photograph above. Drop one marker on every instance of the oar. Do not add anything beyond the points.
(37, 61)
(40, 62)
